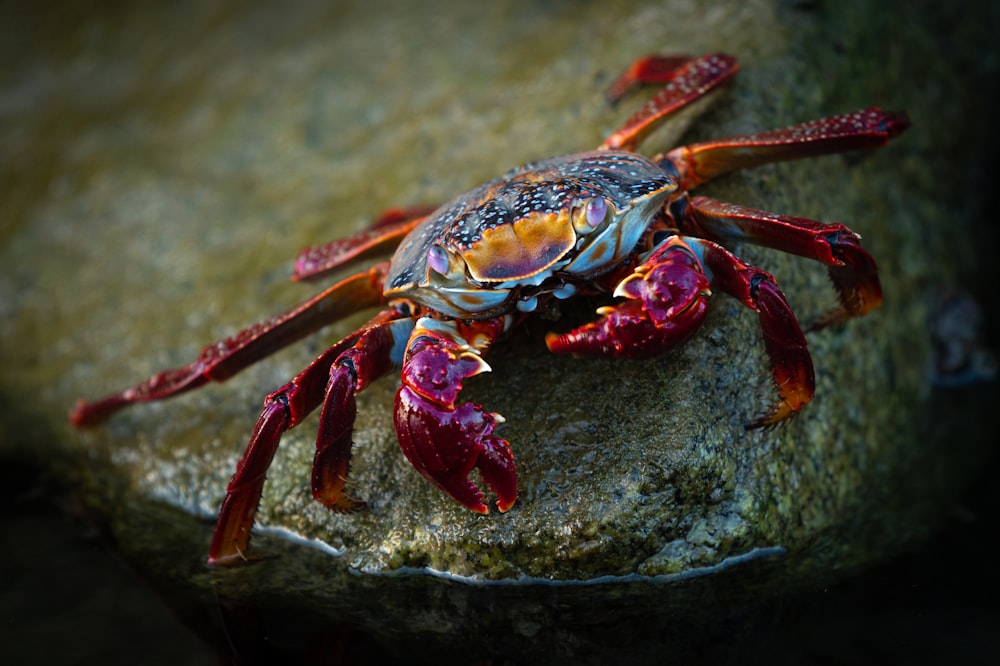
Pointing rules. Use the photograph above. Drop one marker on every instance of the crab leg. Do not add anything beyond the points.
(442, 440)
(382, 236)
(701, 162)
(685, 84)
(377, 350)
(221, 360)
(852, 270)
(791, 364)
(647, 69)
(284, 409)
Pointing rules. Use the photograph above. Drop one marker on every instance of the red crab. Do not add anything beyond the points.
(608, 220)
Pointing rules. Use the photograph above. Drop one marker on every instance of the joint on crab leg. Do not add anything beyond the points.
(856, 281)
(700, 162)
(374, 353)
(666, 301)
(442, 440)
(645, 70)
(852, 270)
(791, 364)
(685, 84)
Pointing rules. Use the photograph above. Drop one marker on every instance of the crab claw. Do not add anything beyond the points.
(665, 303)
(445, 442)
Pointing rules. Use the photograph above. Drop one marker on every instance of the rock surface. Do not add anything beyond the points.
(164, 166)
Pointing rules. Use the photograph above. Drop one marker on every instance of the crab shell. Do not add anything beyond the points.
(537, 230)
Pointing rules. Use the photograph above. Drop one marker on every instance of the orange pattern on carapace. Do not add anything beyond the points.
(522, 248)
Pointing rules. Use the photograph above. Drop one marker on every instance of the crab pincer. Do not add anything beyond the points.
(665, 303)
(445, 441)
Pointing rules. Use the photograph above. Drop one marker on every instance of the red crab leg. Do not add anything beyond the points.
(701, 162)
(852, 270)
(665, 303)
(382, 236)
(685, 84)
(378, 349)
(647, 69)
(221, 360)
(791, 364)
(442, 440)
(283, 409)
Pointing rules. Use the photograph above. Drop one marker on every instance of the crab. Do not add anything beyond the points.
(462, 274)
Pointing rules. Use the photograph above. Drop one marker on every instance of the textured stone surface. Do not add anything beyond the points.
(164, 167)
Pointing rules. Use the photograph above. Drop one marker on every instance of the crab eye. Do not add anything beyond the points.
(590, 214)
(437, 259)
(597, 209)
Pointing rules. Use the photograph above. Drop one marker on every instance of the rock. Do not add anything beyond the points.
(167, 175)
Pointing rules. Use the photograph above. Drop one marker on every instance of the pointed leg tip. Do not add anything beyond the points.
(780, 413)
(232, 559)
(895, 123)
(85, 414)
(343, 504)
(77, 415)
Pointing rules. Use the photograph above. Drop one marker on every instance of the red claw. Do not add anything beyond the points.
(665, 304)
(445, 442)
